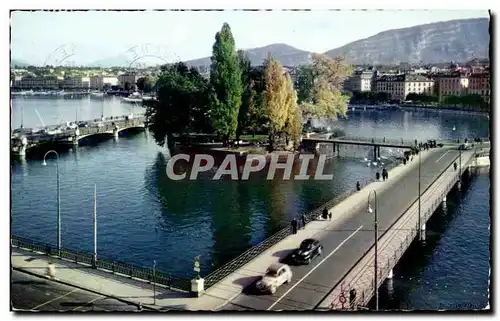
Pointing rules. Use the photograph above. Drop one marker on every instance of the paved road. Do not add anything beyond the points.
(38, 294)
(345, 245)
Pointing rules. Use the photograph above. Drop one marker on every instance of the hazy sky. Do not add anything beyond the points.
(90, 36)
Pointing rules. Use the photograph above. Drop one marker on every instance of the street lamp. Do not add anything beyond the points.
(375, 224)
(419, 193)
(154, 282)
(44, 163)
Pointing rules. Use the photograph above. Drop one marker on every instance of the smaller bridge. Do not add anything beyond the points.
(24, 139)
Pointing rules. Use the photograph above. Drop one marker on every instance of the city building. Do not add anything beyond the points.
(399, 86)
(76, 82)
(359, 81)
(451, 84)
(128, 81)
(479, 83)
(99, 81)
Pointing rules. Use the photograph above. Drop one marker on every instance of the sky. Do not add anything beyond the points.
(87, 36)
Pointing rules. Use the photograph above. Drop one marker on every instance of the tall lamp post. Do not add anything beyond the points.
(154, 282)
(58, 198)
(375, 224)
(419, 193)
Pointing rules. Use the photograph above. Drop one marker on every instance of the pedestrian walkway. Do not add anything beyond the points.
(140, 292)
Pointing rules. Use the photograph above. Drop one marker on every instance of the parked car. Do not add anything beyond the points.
(307, 251)
(277, 274)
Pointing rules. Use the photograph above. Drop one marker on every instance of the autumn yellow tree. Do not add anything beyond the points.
(275, 100)
(293, 125)
(321, 94)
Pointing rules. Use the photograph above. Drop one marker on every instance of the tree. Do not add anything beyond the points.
(181, 103)
(275, 99)
(225, 80)
(304, 82)
(248, 92)
(421, 97)
(145, 84)
(293, 125)
(322, 97)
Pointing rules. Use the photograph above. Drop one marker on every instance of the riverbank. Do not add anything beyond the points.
(459, 110)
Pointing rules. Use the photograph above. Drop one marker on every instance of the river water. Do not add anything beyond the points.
(144, 216)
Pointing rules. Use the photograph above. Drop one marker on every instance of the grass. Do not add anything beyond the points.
(250, 138)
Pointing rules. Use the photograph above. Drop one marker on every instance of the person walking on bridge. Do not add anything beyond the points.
(358, 186)
(303, 221)
(325, 213)
(455, 165)
(294, 226)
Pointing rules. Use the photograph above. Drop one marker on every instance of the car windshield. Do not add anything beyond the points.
(306, 245)
(271, 273)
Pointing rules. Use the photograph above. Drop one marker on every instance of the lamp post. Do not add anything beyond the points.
(58, 198)
(154, 282)
(375, 224)
(94, 263)
(419, 193)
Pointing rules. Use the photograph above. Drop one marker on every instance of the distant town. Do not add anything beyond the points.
(431, 84)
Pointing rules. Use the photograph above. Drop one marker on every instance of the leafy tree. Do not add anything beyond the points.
(293, 125)
(145, 84)
(304, 82)
(225, 79)
(323, 96)
(421, 97)
(181, 105)
(275, 100)
(248, 92)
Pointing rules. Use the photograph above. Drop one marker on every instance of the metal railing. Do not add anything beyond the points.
(125, 269)
(383, 269)
(238, 262)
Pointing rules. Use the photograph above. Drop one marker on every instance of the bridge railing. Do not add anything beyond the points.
(128, 270)
(382, 140)
(238, 262)
(385, 266)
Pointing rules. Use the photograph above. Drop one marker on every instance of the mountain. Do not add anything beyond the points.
(19, 63)
(455, 40)
(287, 55)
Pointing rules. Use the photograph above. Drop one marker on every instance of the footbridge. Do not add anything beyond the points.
(24, 139)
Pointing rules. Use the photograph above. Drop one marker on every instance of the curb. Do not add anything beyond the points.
(85, 289)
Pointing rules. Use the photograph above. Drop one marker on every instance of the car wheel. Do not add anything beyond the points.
(273, 289)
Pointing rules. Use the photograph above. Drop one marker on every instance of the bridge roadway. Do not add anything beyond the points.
(346, 244)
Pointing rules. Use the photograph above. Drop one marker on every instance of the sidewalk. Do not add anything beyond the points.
(134, 291)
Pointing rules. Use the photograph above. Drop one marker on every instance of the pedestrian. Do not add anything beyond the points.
(294, 226)
(325, 213)
(404, 161)
(358, 186)
(455, 165)
(377, 176)
(51, 271)
(384, 139)
(415, 142)
(329, 216)
(303, 221)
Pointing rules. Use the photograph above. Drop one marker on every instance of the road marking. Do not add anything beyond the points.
(91, 301)
(59, 297)
(442, 156)
(314, 268)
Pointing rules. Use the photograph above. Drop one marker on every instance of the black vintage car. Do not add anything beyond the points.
(307, 251)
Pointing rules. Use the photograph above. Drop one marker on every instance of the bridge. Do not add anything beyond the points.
(24, 139)
(403, 205)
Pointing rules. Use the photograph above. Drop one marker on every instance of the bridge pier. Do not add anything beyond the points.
(115, 131)
(390, 276)
(23, 147)
(444, 199)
